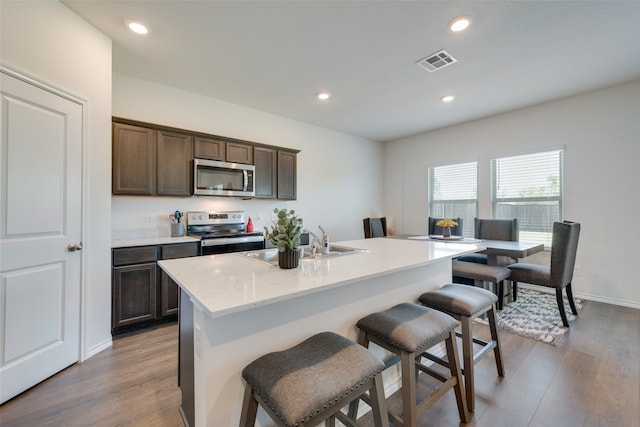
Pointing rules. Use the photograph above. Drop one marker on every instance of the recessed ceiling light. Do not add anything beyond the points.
(447, 98)
(460, 23)
(323, 96)
(137, 27)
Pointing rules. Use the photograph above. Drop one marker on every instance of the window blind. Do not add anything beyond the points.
(529, 187)
(453, 193)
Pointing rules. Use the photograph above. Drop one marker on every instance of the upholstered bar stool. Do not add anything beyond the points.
(484, 273)
(310, 382)
(465, 303)
(407, 330)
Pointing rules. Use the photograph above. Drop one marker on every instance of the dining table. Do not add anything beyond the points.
(494, 248)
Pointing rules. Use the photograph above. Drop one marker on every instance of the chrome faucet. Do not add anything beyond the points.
(323, 241)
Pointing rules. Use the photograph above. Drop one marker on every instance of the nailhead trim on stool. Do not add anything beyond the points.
(465, 303)
(312, 381)
(408, 330)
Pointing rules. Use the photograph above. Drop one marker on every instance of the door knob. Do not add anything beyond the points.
(74, 247)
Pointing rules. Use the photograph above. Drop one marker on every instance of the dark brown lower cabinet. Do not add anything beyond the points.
(134, 290)
(169, 296)
(168, 289)
(142, 294)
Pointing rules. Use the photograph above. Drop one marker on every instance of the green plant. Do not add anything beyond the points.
(285, 233)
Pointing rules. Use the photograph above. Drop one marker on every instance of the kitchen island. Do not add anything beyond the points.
(235, 309)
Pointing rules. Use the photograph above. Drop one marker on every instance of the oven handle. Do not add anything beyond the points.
(230, 240)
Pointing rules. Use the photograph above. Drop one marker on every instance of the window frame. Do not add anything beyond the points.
(557, 199)
(467, 226)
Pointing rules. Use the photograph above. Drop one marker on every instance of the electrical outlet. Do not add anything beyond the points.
(259, 216)
(149, 218)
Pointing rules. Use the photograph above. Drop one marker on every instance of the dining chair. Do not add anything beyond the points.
(559, 274)
(375, 227)
(492, 229)
(435, 229)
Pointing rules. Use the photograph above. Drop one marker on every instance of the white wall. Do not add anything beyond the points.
(599, 132)
(47, 41)
(339, 176)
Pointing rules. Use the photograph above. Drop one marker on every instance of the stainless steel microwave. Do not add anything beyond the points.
(213, 178)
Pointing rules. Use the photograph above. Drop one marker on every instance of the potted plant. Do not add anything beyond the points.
(285, 235)
(446, 225)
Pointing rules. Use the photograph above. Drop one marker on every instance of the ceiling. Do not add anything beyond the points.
(274, 56)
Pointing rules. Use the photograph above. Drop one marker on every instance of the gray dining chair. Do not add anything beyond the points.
(434, 229)
(375, 227)
(492, 229)
(559, 274)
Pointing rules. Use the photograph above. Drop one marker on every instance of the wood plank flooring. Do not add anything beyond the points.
(592, 378)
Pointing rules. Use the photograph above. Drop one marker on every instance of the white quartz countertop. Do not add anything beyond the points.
(151, 241)
(228, 283)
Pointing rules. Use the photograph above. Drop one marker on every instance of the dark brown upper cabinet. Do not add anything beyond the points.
(174, 164)
(239, 153)
(134, 164)
(275, 173)
(266, 172)
(150, 162)
(156, 160)
(287, 175)
(209, 148)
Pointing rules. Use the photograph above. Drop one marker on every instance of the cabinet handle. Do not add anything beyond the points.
(74, 247)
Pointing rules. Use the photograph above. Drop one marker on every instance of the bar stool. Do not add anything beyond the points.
(465, 303)
(407, 330)
(484, 273)
(312, 381)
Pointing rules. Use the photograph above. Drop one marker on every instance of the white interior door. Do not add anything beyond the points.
(41, 214)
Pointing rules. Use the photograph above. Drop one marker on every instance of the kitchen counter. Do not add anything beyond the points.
(151, 241)
(224, 284)
(233, 309)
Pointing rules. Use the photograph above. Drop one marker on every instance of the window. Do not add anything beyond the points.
(529, 188)
(453, 193)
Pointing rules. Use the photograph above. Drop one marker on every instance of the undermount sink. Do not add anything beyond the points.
(270, 256)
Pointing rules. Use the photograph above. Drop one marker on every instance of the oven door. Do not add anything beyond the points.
(212, 178)
(228, 245)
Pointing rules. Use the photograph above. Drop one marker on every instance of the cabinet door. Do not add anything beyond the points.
(174, 164)
(168, 289)
(239, 153)
(265, 174)
(169, 298)
(207, 148)
(287, 175)
(134, 153)
(134, 294)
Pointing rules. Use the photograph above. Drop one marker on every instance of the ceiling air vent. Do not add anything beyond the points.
(437, 61)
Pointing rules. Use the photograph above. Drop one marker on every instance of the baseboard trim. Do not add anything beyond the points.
(612, 301)
(588, 297)
(97, 349)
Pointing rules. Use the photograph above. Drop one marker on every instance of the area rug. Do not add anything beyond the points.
(536, 315)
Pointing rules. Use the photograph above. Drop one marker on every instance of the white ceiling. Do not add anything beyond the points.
(275, 56)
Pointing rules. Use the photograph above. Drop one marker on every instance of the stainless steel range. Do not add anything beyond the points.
(222, 232)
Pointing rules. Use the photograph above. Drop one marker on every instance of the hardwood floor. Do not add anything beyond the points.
(134, 383)
(592, 378)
